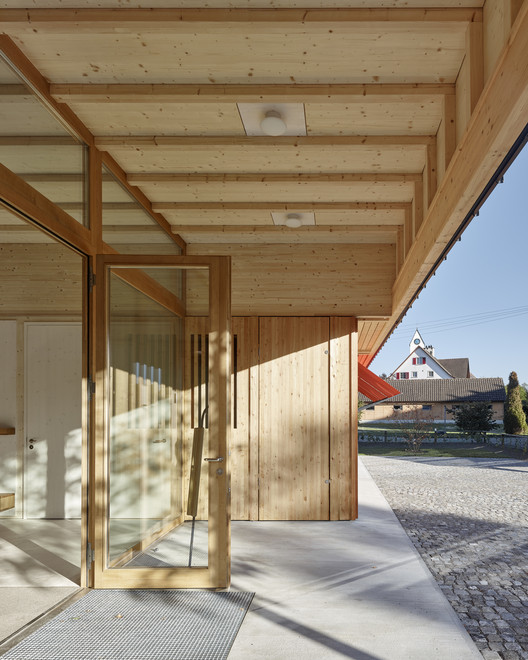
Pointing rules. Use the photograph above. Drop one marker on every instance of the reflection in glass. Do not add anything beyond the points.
(37, 147)
(129, 229)
(148, 461)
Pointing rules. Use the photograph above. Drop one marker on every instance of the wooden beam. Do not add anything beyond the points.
(246, 142)
(214, 93)
(40, 87)
(141, 198)
(163, 177)
(278, 206)
(498, 18)
(150, 287)
(497, 121)
(418, 207)
(57, 177)
(446, 136)
(37, 141)
(429, 175)
(14, 90)
(173, 18)
(470, 80)
(266, 230)
(22, 198)
(408, 234)
(400, 249)
(95, 192)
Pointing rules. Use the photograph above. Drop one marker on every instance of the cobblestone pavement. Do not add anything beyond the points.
(468, 519)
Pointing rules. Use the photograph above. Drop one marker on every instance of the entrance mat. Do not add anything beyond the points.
(140, 624)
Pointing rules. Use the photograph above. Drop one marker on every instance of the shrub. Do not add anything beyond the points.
(514, 418)
(474, 417)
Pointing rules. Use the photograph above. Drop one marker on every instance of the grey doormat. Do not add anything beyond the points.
(140, 624)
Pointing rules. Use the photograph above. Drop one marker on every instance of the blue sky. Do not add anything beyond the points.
(477, 304)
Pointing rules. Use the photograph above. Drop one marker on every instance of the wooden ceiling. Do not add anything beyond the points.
(389, 96)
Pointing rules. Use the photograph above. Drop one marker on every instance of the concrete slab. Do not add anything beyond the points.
(20, 605)
(341, 589)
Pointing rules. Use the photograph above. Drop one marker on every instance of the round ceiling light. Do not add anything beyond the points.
(273, 124)
(293, 220)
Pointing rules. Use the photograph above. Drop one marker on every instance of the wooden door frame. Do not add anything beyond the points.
(217, 574)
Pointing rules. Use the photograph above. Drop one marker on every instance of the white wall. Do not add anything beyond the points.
(8, 412)
(422, 370)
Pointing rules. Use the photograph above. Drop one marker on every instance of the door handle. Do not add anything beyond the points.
(219, 459)
(31, 443)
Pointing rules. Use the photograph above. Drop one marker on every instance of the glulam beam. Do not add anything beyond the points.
(246, 93)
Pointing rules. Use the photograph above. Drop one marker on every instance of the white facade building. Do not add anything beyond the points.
(421, 363)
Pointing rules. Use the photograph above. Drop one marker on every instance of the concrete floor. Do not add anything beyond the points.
(39, 567)
(341, 590)
(323, 589)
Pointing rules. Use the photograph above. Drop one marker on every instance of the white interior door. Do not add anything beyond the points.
(53, 405)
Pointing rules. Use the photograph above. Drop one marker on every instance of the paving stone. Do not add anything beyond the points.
(468, 518)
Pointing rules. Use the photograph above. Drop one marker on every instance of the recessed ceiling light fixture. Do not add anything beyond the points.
(273, 124)
(273, 119)
(293, 220)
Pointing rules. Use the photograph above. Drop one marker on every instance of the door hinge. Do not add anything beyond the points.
(91, 388)
(91, 279)
(90, 555)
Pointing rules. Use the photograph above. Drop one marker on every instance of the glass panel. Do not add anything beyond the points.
(39, 148)
(150, 520)
(129, 229)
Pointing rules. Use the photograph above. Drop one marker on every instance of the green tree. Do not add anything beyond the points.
(413, 424)
(514, 418)
(473, 417)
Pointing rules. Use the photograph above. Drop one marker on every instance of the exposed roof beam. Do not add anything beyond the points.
(58, 177)
(279, 206)
(14, 90)
(270, 229)
(494, 127)
(173, 17)
(198, 142)
(37, 140)
(166, 93)
(164, 177)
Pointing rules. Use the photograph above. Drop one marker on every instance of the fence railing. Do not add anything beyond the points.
(433, 437)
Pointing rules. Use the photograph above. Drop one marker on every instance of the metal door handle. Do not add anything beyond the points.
(219, 459)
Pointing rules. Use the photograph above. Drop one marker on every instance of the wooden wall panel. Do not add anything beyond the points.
(294, 419)
(244, 415)
(342, 357)
(297, 280)
(195, 400)
(40, 279)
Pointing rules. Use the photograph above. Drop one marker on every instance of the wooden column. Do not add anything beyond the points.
(343, 418)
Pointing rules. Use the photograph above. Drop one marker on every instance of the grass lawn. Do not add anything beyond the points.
(462, 450)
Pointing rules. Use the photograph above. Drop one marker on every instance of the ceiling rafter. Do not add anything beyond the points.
(274, 229)
(247, 93)
(281, 206)
(348, 177)
(173, 17)
(197, 142)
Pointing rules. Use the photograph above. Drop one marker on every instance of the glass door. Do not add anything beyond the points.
(161, 490)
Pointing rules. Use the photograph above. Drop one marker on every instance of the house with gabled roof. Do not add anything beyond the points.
(435, 387)
(437, 398)
(422, 363)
